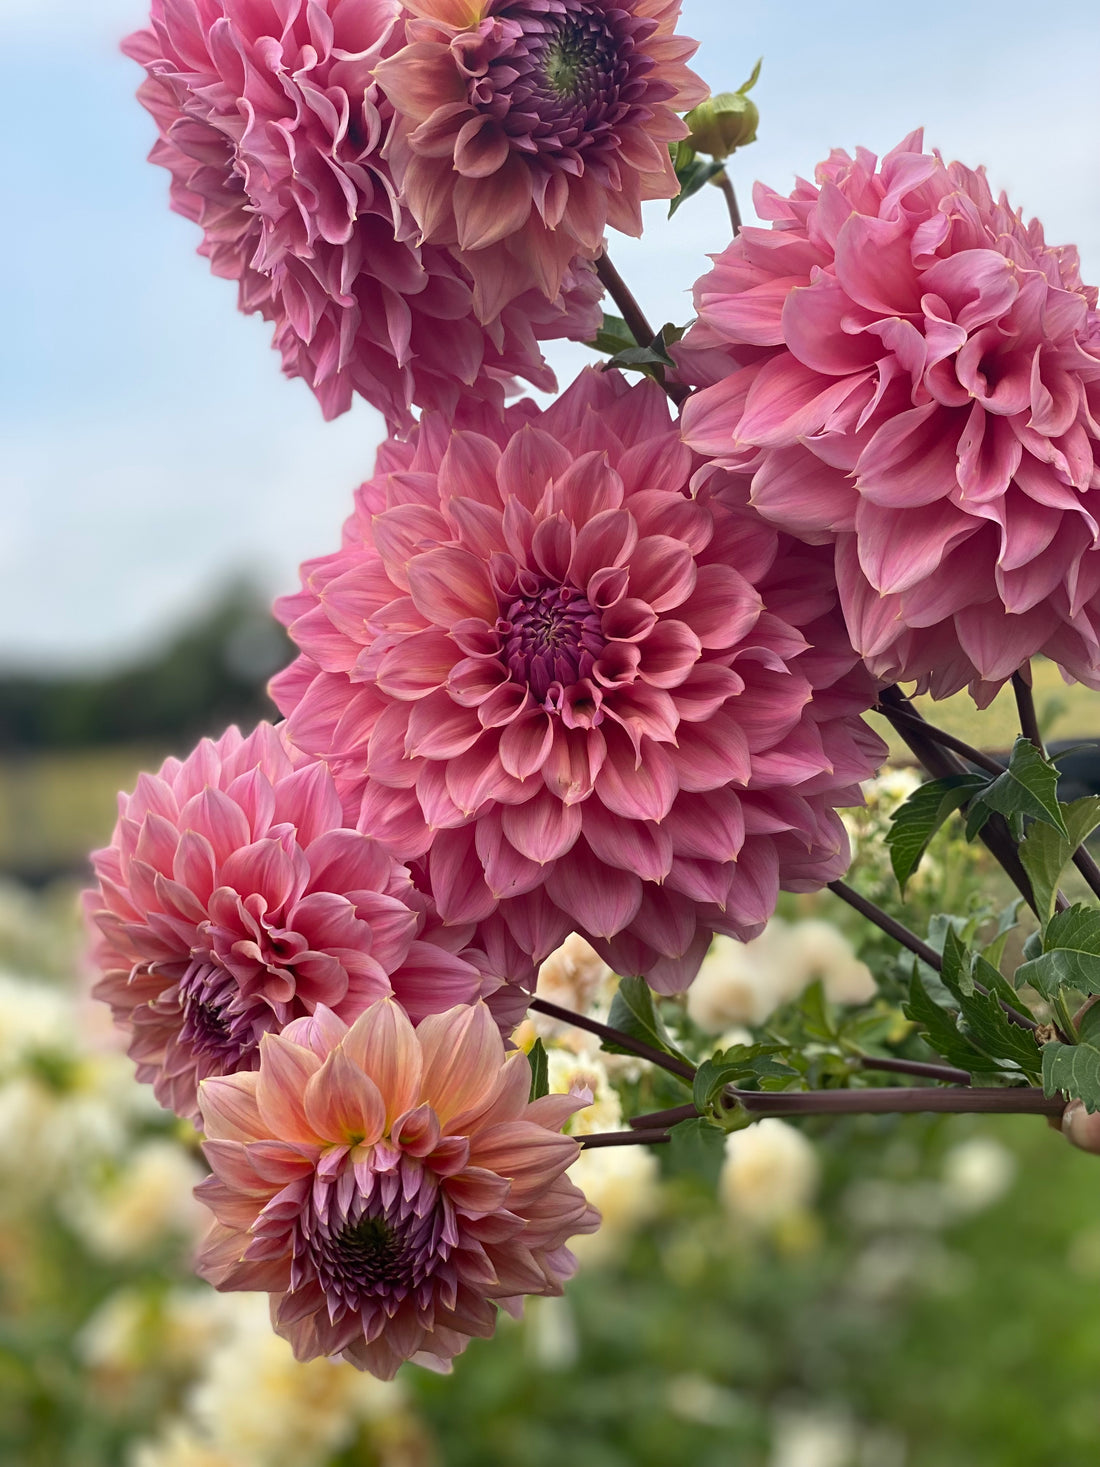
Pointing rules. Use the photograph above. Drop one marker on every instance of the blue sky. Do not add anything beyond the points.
(151, 447)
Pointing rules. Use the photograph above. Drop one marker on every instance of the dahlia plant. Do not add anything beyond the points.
(596, 673)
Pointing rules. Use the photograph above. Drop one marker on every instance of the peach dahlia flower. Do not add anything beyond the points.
(911, 373)
(526, 127)
(389, 1187)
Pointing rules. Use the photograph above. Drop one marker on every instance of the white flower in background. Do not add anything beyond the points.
(143, 1205)
(816, 949)
(35, 1019)
(182, 1446)
(770, 1172)
(569, 1071)
(622, 1182)
(551, 1332)
(738, 983)
(812, 1440)
(134, 1331)
(572, 976)
(259, 1405)
(977, 1173)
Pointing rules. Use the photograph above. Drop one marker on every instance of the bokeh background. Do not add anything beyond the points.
(892, 1295)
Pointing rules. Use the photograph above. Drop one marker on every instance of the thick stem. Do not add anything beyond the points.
(939, 762)
(944, 739)
(725, 183)
(898, 1099)
(656, 1119)
(623, 297)
(947, 1073)
(1088, 869)
(1025, 706)
(635, 318)
(623, 1138)
(679, 1068)
(897, 930)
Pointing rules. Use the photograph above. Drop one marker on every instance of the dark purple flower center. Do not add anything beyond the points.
(380, 1248)
(559, 75)
(550, 636)
(217, 1026)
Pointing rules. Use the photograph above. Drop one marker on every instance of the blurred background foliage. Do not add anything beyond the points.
(879, 1292)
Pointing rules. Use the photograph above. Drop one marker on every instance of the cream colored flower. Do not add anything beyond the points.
(816, 950)
(770, 1173)
(572, 976)
(571, 1072)
(622, 1182)
(143, 1205)
(977, 1173)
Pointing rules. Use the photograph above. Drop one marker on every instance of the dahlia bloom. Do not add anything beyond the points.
(232, 901)
(389, 1186)
(589, 701)
(526, 127)
(910, 372)
(272, 128)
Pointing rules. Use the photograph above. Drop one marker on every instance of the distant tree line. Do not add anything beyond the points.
(209, 675)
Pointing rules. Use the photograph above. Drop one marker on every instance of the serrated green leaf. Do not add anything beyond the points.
(1071, 953)
(539, 1061)
(1072, 1070)
(634, 1013)
(982, 1021)
(914, 823)
(939, 1030)
(817, 1018)
(613, 336)
(697, 1149)
(1029, 786)
(1046, 852)
(742, 1062)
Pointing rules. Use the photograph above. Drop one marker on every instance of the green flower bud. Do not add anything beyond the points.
(724, 122)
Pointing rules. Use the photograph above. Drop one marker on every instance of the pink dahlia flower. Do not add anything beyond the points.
(272, 127)
(389, 1187)
(526, 127)
(232, 901)
(911, 372)
(589, 700)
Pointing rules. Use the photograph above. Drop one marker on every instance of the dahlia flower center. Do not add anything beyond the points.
(375, 1251)
(216, 1024)
(554, 75)
(550, 636)
(572, 62)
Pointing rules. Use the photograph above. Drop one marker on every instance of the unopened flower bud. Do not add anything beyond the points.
(725, 122)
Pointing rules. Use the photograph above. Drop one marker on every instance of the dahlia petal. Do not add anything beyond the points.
(285, 1069)
(542, 829)
(382, 1046)
(449, 584)
(342, 1104)
(600, 899)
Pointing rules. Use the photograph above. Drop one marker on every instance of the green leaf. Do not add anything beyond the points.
(697, 1149)
(1071, 953)
(539, 1061)
(993, 952)
(981, 1019)
(693, 172)
(613, 336)
(1072, 1070)
(634, 1013)
(1046, 853)
(817, 1017)
(653, 356)
(1028, 786)
(939, 1030)
(915, 822)
(754, 1063)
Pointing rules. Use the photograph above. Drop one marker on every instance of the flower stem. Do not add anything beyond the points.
(944, 739)
(680, 1068)
(635, 318)
(890, 925)
(940, 761)
(898, 1099)
(1025, 707)
(1029, 727)
(725, 183)
(623, 1138)
(947, 1073)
